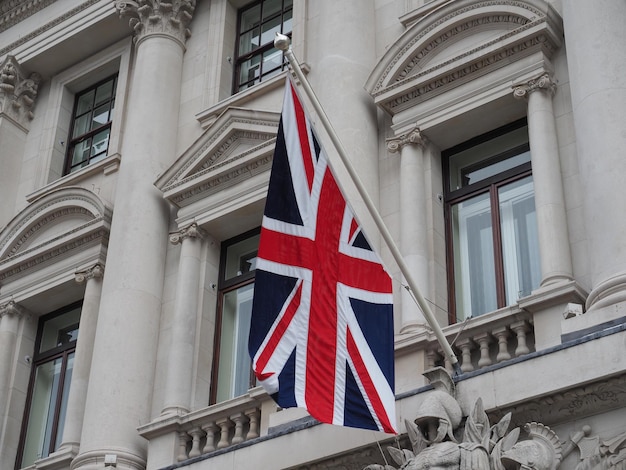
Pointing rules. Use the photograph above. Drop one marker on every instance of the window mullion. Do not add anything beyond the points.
(497, 246)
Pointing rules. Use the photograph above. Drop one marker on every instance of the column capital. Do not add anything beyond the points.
(18, 91)
(543, 82)
(191, 231)
(168, 17)
(95, 272)
(413, 137)
(12, 308)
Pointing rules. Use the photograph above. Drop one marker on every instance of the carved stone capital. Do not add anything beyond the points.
(192, 231)
(543, 82)
(18, 91)
(170, 17)
(12, 308)
(414, 137)
(95, 272)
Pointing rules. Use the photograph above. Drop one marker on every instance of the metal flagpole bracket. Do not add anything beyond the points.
(282, 43)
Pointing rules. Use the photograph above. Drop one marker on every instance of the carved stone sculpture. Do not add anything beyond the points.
(599, 454)
(439, 443)
(18, 91)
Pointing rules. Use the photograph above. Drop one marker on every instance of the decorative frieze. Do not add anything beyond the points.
(14, 11)
(543, 82)
(192, 231)
(147, 17)
(414, 137)
(18, 91)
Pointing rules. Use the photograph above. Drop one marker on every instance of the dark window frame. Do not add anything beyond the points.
(225, 286)
(39, 358)
(240, 59)
(73, 140)
(490, 185)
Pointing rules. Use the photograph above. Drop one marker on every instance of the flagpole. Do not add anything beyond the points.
(282, 43)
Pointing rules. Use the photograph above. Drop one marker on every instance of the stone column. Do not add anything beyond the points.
(594, 36)
(556, 262)
(413, 221)
(10, 314)
(92, 278)
(345, 49)
(18, 91)
(179, 373)
(121, 382)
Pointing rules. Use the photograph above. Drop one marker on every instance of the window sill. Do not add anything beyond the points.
(59, 460)
(107, 166)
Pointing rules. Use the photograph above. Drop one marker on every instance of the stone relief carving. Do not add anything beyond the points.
(438, 442)
(158, 16)
(18, 91)
(596, 453)
(14, 11)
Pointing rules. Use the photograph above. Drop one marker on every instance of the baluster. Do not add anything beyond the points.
(225, 425)
(183, 438)
(210, 430)
(253, 417)
(466, 354)
(483, 340)
(196, 435)
(520, 328)
(503, 346)
(238, 419)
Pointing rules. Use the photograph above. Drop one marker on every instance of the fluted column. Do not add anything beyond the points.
(122, 371)
(554, 248)
(18, 92)
(179, 371)
(92, 278)
(10, 314)
(413, 223)
(596, 59)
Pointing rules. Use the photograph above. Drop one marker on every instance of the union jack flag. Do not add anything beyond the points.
(321, 335)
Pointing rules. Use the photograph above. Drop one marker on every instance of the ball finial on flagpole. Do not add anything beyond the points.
(281, 42)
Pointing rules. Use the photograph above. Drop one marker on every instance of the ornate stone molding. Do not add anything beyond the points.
(14, 11)
(543, 82)
(170, 17)
(95, 272)
(12, 308)
(18, 91)
(413, 137)
(191, 231)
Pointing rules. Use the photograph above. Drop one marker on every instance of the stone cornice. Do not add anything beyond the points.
(170, 17)
(18, 91)
(543, 82)
(14, 11)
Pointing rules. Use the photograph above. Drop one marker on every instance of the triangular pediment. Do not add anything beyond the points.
(239, 142)
(458, 43)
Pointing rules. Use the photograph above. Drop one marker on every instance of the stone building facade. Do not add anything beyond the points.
(136, 140)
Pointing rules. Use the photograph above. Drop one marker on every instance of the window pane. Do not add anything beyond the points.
(271, 7)
(85, 102)
(272, 59)
(60, 330)
(287, 22)
(487, 158)
(248, 41)
(241, 257)
(104, 92)
(100, 116)
(474, 266)
(100, 143)
(250, 70)
(250, 18)
(81, 125)
(40, 421)
(269, 30)
(520, 247)
(66, 391)
(234, 367)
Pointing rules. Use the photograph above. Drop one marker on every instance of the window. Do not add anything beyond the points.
(49, 387)
(493, 253)
(232, 371)
(257, 58)
(91, 125)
